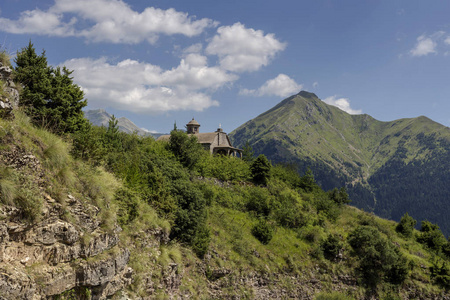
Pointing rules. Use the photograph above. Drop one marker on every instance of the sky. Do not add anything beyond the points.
(225, 62)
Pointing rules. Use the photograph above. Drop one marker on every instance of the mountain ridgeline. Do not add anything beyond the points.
(100, 117)
(388, 167)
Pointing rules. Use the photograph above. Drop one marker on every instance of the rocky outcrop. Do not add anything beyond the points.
(53, 256)
(9, 96)
(67, 249)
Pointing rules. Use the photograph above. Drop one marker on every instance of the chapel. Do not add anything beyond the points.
(216, 142)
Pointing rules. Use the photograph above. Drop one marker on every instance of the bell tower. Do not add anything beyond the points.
(192, 127)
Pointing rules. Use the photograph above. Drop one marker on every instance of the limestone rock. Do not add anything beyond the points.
(9, 98)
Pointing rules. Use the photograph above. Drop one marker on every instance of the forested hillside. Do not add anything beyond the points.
(93, 213)
(389, 168)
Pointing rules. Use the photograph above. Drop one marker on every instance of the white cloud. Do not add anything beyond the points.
(38, 22)
(424, 46)
(196, 48)
(281, 86)
(342, 103)
(315, 85)
(427, 44)
(112, 21)
(447, 40)
(243, 49)
(146, 88)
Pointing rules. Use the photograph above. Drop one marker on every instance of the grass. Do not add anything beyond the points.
(8, 188)
(5, 58)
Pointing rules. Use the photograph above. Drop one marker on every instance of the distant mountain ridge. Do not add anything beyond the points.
(100, 117)
(388, 167)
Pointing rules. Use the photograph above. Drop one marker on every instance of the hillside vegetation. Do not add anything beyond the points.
(388, 167)
(187, 224)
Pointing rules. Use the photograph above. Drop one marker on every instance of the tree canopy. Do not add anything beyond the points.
(49, 96)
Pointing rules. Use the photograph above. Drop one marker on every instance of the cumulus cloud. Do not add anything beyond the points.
(427, 44)
(243, 49)
(342, 103)
(110, 21)
(146, 88)
(281, 86)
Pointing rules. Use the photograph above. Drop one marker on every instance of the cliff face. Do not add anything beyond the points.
(54, 255)
(49, 246)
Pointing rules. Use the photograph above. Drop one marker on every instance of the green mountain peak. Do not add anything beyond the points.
(385, 165)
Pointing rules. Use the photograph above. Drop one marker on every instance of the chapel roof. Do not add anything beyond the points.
(193, 122)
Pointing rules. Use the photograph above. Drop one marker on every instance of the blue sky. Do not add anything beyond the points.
(225, 62)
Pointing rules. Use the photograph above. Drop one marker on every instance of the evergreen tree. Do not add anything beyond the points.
(49, 95)
(260, 169)
(307, 181)
(248, 153)
(339, 196)
(185, 148)
(406, 225)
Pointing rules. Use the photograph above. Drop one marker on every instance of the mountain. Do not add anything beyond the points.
(100, 117)
(389, 168)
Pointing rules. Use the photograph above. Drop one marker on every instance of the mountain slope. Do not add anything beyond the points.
(388, 167)
(100, 117)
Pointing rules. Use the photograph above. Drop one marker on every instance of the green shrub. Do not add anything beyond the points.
(332, 246)
(259, 201)
(339, 196)
(431, 236)
(378, 258)
(328, 207)
(262, 231)
(128, 205)
(312, 234)
(406, 225)
(287, 173)
(190, 221)
(440, 272)
(260, 170)
(185, 148)
(287, 209)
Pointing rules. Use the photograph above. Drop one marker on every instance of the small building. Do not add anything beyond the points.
(216, 142)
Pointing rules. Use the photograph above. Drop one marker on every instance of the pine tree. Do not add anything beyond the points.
(49, 96)
(260, 169)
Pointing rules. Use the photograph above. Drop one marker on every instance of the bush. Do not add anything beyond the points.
(312, 234)
(128, 206)
(440, 272)
(259, 201)
(340, 196)
(190, 222)
(332, 246)
(262, 231)
(185, 148)
(406, 225)
(431, 236)
(260, 170)
(287, 209)
(378, 258)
